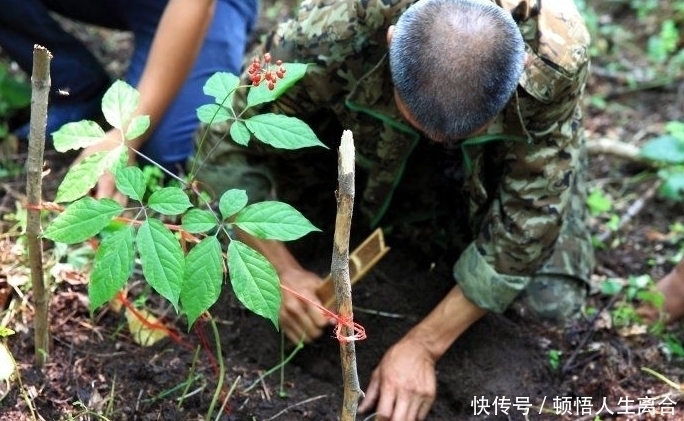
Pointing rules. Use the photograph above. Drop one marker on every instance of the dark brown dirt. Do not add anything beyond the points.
(96, 371)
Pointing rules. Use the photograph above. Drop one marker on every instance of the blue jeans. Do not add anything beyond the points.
(24, 23)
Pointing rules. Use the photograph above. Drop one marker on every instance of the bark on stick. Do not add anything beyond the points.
(340, 276)
(40, 90)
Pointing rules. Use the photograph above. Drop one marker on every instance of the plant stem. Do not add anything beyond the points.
(222, 370)
(190, 379)
(40, 89)
(339, 271)
(283, 362)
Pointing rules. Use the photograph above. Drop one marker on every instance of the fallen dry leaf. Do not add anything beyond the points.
(145, 328)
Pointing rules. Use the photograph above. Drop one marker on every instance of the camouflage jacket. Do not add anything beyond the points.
(538, 138)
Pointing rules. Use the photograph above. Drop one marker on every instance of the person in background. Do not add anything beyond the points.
(178, 45)
(468, 123)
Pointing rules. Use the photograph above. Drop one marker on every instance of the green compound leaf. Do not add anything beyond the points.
(240, 133)
(261, 94)
(221, 86)
(212, 113)
(82, 177)
(112, 266)
(196, 221)
(231, 202)
(77, 135)
(119, 103)
(169, 201)
(131, 182)
(273, 220)
(254, 280)
(137, 126)
(82, 219)
(282, 132)
(162, 259)
(203, 278)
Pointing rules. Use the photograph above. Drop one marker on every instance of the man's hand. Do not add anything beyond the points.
(301, 320)
(404, 384)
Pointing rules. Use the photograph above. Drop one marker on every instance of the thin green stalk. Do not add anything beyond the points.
(110, 401)
(282, 392)
(190, 377)
(282, 363)
(222, 369)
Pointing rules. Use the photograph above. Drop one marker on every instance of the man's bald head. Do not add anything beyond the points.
(455, 64)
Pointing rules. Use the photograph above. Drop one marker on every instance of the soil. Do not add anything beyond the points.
(97, 371)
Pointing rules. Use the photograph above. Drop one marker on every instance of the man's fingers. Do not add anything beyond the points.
(371, 395)
(385, 405)
(423, 410)
(300, 326)
(317, 318)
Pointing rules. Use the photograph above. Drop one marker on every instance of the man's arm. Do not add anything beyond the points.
(177, 41)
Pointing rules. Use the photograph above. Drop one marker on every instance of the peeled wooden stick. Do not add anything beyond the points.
(339, 270)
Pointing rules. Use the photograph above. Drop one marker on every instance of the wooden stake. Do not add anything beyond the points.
(40, 90)
(339, 271)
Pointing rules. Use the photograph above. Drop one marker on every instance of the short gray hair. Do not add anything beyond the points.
(455, 64)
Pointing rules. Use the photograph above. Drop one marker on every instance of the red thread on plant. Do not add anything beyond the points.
(359, 332)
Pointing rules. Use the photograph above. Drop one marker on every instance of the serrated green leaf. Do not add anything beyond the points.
(131, 182)
(231, 202)
(240, 133)
(254, 280)
(203, 278)
(212, 113)
(169, 201)
(82, 219)
(83, 176)
(221, 86)
(273, 220)
(112, 266)
(137, 126)
(119, 103)
(282, 132)
(162, 259)
(665, 148)
(196, 221)
(261, 94)
(77, 135)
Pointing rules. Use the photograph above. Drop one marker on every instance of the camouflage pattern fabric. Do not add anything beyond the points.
(510, 201)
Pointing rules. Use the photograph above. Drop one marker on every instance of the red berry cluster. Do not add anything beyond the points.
(266, 71)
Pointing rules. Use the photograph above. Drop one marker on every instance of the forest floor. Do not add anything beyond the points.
(608, 360)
